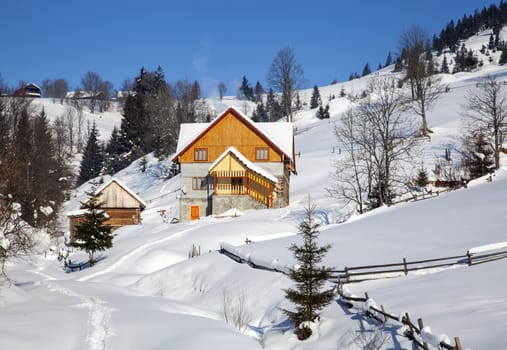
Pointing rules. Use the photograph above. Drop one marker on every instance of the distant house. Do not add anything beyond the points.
(28, 90)
(233, 162)
(122, 206)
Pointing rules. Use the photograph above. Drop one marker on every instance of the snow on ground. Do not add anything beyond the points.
(105, 121)
(147, 293)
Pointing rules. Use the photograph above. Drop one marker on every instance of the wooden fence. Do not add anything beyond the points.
(414, 332)
(361, 273)
(415, 197)
(403, 268)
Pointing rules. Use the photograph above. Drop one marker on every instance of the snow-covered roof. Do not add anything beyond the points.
(122, 185)
(78, 212)
(280, 134)
(248, 164)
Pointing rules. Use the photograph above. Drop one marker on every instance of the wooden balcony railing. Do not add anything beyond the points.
(243, 183)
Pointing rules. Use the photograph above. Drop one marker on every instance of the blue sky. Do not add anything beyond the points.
(208, 41)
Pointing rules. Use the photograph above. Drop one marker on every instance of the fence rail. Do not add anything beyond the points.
(368, 272)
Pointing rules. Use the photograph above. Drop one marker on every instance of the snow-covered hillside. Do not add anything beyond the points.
(148, 294)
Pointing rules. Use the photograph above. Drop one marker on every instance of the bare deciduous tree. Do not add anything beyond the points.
(486, 113)
(285, 76)
(97, 91)
(221, 90)
(379, 141)
(425, 88)
(353, 170)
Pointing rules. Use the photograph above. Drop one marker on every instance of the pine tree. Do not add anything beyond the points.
(92, 162)
(259, 91)
(491, 44)
(92, 234)
(45, 174)
(389, 59)
(480, 156)
(503, 56)
(422, 178)
(5, 144)
(245, 90)
(445, 66)
(315, 100)
(273, 108)
(398, 65)
(114, 159)
(366, 69)
(323, 112)
(149, 119)
(19, 183)
(309, 277)
(297, 104)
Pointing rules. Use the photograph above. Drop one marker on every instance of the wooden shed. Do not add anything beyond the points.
(122, 206)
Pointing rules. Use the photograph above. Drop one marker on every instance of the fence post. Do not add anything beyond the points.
(458, 343)
(409, 323)
(469, 256)
(366, 296)
(347, 277)
(421, 326)
(382, 308)
(405, 266)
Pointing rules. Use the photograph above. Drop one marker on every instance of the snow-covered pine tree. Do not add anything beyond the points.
(315, 99)
(323, 112)
(92, 234)
(480, 156)
(422, 177)
(309, 278)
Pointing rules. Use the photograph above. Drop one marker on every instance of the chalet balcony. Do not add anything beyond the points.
(243, 182)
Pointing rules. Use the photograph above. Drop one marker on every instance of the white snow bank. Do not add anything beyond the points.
(488, 247)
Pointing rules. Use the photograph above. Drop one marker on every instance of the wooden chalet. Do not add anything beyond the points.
(28, 90)
(121, 205)
(234, 162)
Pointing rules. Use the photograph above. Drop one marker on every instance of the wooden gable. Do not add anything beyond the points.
(113, 195)
(231, 130)
(228, 163)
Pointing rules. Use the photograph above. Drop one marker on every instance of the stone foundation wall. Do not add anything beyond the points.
(223, 203)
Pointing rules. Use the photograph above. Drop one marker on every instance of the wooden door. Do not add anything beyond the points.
(194, 212)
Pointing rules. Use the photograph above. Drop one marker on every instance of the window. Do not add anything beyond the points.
(201, 154)
(261, 153)
(199, 183)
